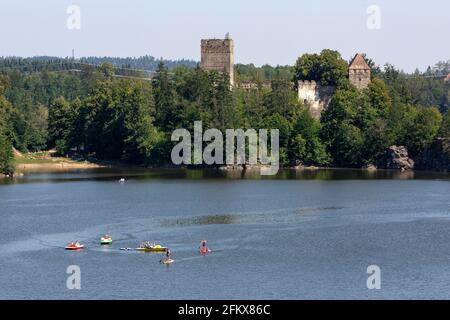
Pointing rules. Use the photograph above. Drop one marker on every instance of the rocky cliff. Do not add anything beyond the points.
(398, 158)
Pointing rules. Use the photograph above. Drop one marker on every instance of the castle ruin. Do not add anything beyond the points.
(218, 55)
(314, 95)
(318, 97)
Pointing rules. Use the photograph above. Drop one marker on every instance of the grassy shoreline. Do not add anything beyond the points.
(47, 160)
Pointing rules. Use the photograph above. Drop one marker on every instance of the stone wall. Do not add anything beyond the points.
(360, 78)
(315, 96)
(218, 55)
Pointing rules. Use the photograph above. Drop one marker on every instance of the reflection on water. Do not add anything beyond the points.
(205, 174)
(274, 216)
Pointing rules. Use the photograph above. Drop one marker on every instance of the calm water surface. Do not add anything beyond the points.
(300, 235)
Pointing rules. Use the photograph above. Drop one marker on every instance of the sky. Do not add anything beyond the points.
(406, 33)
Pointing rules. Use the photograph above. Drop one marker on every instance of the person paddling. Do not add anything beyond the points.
(203, 248)
(168, 258)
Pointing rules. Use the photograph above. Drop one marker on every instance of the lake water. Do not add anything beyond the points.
(300, 235)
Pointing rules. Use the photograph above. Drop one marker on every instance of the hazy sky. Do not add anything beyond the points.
(412, 34)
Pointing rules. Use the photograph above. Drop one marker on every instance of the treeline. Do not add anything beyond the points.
(146, 62)
(263, 74)
(6, 151)
(47, 63)
(94, 113)
(422, 89)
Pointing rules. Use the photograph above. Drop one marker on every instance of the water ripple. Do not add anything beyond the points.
(273, 216)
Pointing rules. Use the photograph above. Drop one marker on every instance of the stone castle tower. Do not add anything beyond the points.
(359, 72)
(218, 54)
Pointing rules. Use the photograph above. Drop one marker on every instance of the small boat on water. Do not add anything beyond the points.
(106, 240)
(151, 247)
(74, 246)
(203, 248)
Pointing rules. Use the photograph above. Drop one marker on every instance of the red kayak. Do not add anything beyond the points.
(75, 246)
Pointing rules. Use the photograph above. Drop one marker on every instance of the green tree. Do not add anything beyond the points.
(377, 139)
(77, 122)
(276, 121)
(282, 100)
(205, 96)
(118, 121)
(374, 104)
(445, 126)
(379, 99)
(59, 131)
(107, 70)
(344, 139)
(328, 68)
(423, 130)
(306, 144)
(6, 153)
(140, 135)
(399, 121)
(347, 145)
(29, 124)
(250, 106)
(104, 119)
(167, 113)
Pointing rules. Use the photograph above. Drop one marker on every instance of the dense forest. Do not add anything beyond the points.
(146, 63)
(99, 108)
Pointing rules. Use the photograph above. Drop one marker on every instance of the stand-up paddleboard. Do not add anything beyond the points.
(168, 261)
